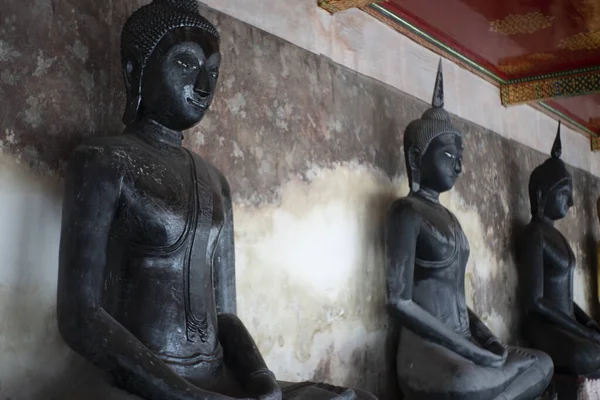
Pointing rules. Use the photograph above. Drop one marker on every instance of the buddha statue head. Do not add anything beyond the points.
(170, 56)
(551, 186)
(433, 147)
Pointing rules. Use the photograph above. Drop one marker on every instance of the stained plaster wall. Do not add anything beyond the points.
(313, 154)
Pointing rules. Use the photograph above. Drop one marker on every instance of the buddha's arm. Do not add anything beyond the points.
(401, 242)
(90, 203)
(532, 260)
(239, 349)
(224, 258)
(484, 336)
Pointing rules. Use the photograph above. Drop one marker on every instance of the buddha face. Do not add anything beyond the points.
(442, 162)
(559, 200)
(179, 81)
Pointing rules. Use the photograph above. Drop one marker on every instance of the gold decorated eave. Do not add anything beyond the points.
(531, 90)
(550, 87)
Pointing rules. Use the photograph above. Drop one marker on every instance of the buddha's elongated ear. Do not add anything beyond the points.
(540, 198)
(414, 164)
(132, 72)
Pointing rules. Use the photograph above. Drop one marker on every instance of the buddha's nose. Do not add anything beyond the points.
(202, 86)
(458, 166)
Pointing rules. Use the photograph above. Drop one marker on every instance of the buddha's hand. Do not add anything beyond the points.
(493, 354)
(264, 387)
(593, 325)
(495, 346)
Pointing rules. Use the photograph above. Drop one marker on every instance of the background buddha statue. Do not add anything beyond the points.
(445, 350)
(598, 254)
(554, 323)
(147, 275)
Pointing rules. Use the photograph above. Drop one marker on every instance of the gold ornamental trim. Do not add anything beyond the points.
(561, 86)
(523, 64)
(581, 41)
(521, 23)
(334, 6)
(424, 39)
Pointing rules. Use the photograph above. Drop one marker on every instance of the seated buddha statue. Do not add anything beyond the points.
(146, 286)
(554, 323)
(445, 351)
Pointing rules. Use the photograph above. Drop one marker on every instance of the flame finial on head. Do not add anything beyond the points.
(557, 146)
(421, 132)
(547, 176)
(438, 92)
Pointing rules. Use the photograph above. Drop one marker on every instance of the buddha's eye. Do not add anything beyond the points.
(187, 65)
(214, 74)
(448, 155)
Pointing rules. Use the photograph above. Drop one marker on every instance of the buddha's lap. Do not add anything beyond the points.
(423, 364)
(570, 353)
(93, 384)
(321, 391)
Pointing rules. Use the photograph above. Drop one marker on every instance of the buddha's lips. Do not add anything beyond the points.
(196, 103)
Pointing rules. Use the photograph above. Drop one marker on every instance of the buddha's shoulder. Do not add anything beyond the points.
(406, 207)
(106, 148)
(536, 229)
(106, 144)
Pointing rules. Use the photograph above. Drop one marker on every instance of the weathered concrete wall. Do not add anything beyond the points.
(360, 42)
(313, 154)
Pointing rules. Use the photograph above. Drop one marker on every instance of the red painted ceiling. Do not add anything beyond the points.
(517, 38)
(513, 38)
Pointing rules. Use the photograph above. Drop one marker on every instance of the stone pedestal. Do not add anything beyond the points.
(576, 388)
(589, 389)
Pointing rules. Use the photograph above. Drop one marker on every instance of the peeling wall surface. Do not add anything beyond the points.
(313, 153)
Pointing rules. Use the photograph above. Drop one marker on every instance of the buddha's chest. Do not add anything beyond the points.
(441, 240)
(559, 259)
(161, 203)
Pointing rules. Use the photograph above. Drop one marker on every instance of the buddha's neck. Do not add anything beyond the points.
(428, 194)
(156, 133)
(545, 220)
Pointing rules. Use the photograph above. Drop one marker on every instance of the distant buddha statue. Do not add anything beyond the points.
(445, 350)
(147, 275)
(598, 255)
(554, 323)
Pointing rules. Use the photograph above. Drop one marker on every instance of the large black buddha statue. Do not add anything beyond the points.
(445, 351)
(554, 323)
(147, 276)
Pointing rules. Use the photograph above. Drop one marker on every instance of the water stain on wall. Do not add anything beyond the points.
(307, 269)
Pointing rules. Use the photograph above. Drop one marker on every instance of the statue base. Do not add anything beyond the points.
(589, 389)
(576, 388)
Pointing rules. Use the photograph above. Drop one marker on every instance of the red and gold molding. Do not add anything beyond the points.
(550, 87)
(533, 67)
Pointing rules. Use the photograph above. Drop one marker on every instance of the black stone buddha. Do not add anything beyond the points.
(445, 350)
(147, 276)
(554, 323)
